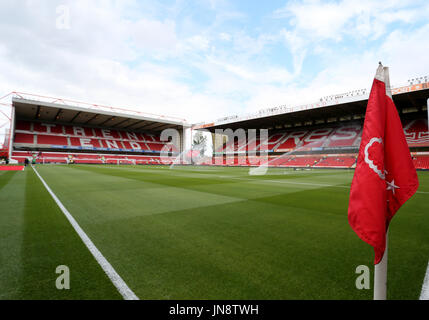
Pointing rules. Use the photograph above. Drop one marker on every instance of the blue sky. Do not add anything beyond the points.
(206, 59)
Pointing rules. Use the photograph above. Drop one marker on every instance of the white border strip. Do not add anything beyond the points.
(300, 183)
(116, 279)
(425, 288)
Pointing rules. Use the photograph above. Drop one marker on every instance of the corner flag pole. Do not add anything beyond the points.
(372, 209)
(380, 276)
(380, 269)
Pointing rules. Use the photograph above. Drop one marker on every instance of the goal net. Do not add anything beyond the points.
(126, 161)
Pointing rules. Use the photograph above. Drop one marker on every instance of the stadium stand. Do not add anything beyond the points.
(313, 161)
(416, 132)
(421, 162)
(59, 142)
(326, 134)
(322, 146)
(336, 161)
(101, 158)
(341, 136)
(50, 135)
(52, 130)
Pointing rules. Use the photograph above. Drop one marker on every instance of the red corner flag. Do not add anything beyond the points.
(385, 177)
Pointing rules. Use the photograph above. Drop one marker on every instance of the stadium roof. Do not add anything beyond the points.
(33, 107)
(341, 106)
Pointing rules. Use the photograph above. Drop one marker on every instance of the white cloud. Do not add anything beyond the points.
(225, 36)
(323, 20)
(199, 42)
(162, 60)
(153, 35)
(90, 62)
(316, 18)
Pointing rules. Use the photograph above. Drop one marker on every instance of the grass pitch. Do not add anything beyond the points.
(199, 233)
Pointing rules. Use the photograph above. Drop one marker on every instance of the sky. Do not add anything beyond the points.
(206, 59)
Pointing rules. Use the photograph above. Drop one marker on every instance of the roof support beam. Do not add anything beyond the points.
(92, 118)
(37, 113)
(104, 122)
(163, 127)
(133, 124)
(119, 123)
(76, 115)
(412, 101)
(152, 126)
(58, 114)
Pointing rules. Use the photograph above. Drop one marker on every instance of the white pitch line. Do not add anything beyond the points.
(116, 279)
(304, 183)
(424, 295)
(262, 180)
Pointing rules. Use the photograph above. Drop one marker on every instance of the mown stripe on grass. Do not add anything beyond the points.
(35, 239)
(12, 202)
(6, 177)
(238, 250)
(116, 279)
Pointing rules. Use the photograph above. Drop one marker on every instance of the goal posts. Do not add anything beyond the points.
(126, 161)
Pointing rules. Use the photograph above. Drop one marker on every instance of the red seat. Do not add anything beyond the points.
(52, 140)
(292, 140)
(155, 146)
(421, 162)
(337, 161)
(416, 133)
(47, 128)
(23, 125)
(79, 131)
(24, 138)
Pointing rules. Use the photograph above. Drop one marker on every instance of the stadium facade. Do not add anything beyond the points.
(50, 130)
(325, 134)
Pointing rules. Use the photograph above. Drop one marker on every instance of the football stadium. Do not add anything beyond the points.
(195, 156)
(192, 226)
